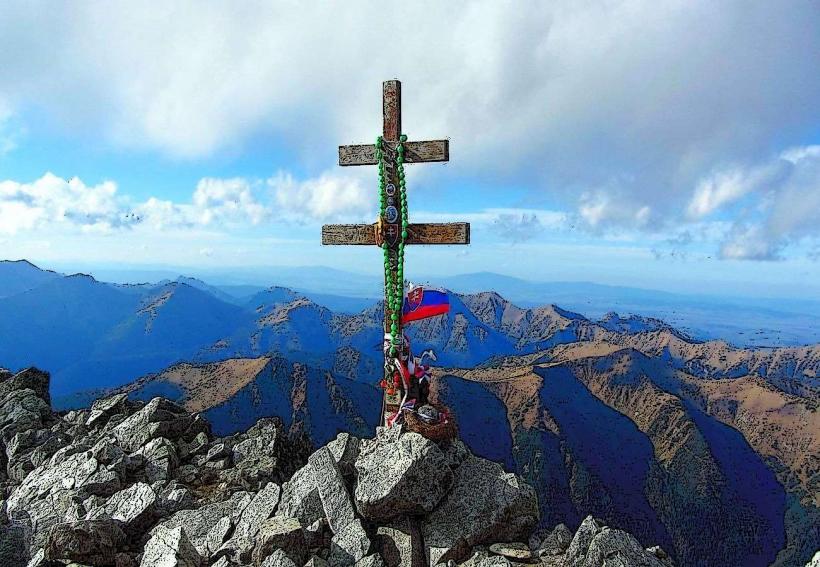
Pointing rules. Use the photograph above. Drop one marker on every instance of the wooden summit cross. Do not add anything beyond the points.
(388, 226)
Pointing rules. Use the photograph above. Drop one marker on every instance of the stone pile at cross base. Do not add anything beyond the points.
(130, 484)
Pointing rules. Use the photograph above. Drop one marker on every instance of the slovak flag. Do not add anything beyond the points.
(422, 303)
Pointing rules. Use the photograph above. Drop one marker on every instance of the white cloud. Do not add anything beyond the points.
(601, 209)
(221, 204)
(582, 87)
(326, 197)
(52, 199)
(749, 243)
(638, 104)
(227, 199)
(781, 203)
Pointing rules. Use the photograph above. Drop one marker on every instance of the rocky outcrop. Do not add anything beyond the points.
(130, 484)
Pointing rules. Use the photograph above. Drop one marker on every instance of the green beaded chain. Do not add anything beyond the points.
(394, 287)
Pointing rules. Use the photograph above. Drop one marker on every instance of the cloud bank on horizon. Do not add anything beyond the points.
(690, 130)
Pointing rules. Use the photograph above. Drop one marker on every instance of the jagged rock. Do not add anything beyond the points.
(485, 505)
(316, 561)
(373, 560)
(218, 451)
(126, 560)
(615, 547)
(336, 502)
(49, 495)
(21, 410)
(300, 496)
(160, 459)
(579, 545)
(14, 543)
(260, 509)
(29, 379)
(195, 447)
(159, 418)
(198, 523)
(89, 541)
(278, 559)
(216, 535)
(104, 408)
(349, 544)
(455, 452)
(41, 454)
(174, 498)
(345, 449)
(407, 476)
(556, 542)
(170, 548)
(400, 543)
(284, 534)
(134, 507)
(103, 482)
(259, 441)
(38, 559)
(316, 534)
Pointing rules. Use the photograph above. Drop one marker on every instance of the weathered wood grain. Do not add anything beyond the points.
(422, 233)
(415, 152)
(391, 109)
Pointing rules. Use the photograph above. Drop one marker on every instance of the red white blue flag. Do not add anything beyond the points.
(422, 303)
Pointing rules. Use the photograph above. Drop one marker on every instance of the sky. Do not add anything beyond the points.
(662, 144)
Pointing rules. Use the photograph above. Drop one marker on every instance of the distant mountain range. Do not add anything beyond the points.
(92, 334)
(708, 449)
(741, 319)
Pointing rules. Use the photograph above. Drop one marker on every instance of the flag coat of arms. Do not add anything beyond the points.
(422, 303)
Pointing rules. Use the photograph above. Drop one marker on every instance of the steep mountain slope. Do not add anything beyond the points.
(601, 429)
(234, 394)
(21, 275)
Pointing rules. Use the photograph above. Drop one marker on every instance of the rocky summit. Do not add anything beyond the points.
(130, 484)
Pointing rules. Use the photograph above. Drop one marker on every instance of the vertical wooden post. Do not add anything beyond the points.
(391, 107)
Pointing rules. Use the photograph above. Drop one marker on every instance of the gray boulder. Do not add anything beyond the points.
(94, 542)
(240, 545)
(615, 548)
(556, 542)
(104, 408)
(373, 560)
(170, 548)
(349, 545)
(300, 496)
(135, 508)
(14, 543)
(579, 545)
(283, 534)
(400, 544)
(278, 559)
(49, 494)
(29, 379)
(161, 459)
(199, 522)
(408, 476)
(258, 510)
(485, 505)
(159, 418)
(336, 502)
